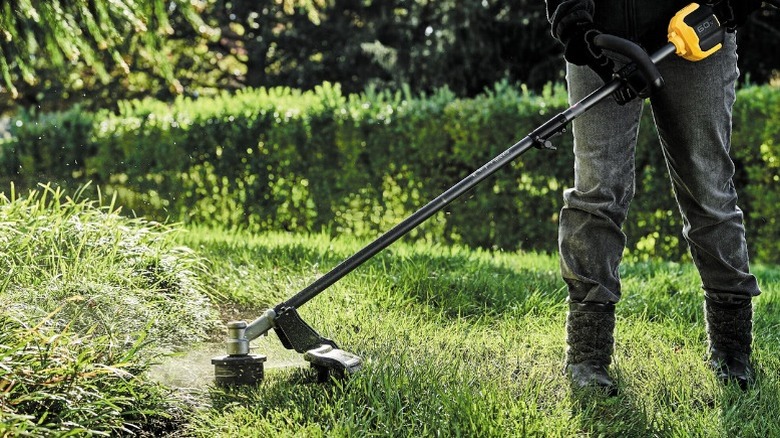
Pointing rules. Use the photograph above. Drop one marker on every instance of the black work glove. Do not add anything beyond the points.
(734, 13)
(581, 50)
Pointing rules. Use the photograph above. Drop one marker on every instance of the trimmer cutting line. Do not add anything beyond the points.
(694, 33)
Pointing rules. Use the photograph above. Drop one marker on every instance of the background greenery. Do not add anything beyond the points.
(333, 119)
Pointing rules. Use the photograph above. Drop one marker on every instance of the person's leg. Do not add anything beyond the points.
(693, 115)
(591, 240)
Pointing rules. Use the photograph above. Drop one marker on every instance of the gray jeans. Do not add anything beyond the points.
(693, 116)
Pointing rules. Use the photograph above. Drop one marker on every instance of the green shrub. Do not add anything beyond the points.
(756, 147)
(311, 161)
(48, 147)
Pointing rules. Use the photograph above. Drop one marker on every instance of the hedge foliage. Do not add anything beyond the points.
(321, 160)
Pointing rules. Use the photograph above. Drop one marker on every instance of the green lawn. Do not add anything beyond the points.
(455, 342)
(470, 343)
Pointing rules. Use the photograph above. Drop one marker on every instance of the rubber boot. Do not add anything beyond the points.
(730, 334)
(590, 339)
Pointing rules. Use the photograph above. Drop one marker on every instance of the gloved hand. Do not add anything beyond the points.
(581, 50)
(734, 13)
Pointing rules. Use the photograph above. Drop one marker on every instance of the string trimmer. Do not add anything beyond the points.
(694, 33)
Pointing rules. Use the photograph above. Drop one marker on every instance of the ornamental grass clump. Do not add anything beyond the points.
(90, 298)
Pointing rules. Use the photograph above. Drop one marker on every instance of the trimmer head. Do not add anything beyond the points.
(239, 367)
(238, 370)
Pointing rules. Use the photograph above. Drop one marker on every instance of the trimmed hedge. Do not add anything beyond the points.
(311, 161)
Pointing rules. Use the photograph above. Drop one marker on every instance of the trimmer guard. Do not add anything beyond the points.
(326, 360)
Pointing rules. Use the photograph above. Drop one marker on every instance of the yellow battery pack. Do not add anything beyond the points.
(695, 32)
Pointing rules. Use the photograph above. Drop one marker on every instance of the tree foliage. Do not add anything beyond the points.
(93, 34)
(110, 47)
(56, 53)
(466, 46)
(463, 45)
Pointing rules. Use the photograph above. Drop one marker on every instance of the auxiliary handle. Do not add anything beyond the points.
(644, 64)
